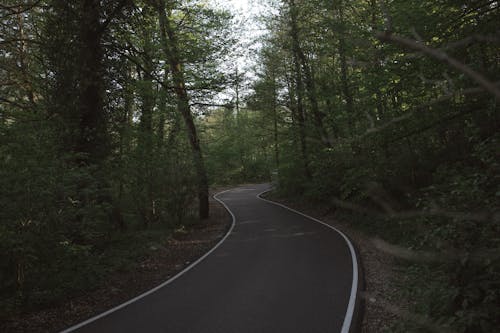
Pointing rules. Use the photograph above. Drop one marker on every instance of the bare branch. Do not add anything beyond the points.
(210, 105)
(410, 113)
(19, 9)
(442, 56)
(494, 39)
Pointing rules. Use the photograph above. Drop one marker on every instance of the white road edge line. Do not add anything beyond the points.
(346, 326)
(172, 279)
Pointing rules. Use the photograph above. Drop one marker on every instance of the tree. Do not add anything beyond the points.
(172, 53)
(405, 98)
(91, 144)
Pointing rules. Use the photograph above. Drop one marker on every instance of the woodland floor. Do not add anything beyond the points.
(165, 261)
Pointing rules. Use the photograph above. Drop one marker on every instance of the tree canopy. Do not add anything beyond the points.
(119, 116)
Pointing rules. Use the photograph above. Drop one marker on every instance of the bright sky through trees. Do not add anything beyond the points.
(249, 31)
(239, 4)
(246, 15)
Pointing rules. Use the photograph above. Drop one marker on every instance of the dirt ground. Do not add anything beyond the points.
(165, 261)
(379, 272)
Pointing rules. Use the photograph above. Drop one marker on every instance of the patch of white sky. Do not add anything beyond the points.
(247, 15)
(248, 30)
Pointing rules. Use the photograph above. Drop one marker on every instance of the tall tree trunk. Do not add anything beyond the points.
(162, 105)
(275, 120)
(92, 141)
(23, 62)
(377, 56)
(343, 65)
(92, 146)
(145, 150)
(145, 147)
(171, 50)
(296, 99)
(239, 123)
(124, 147)
(310, 84)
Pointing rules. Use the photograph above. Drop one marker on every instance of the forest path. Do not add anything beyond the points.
(277, 271)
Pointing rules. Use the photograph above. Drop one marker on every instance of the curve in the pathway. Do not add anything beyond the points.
(349, 316)
(164, 284)
(274, 271)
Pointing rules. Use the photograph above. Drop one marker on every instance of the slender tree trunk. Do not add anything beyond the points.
(145, 147)
(171, 49)
(310, 84)
(377, 56)
(170, 115)
(124, 149)
(275, 121)
(241, 138)
(297, 100)
(237, 91)
(23, 64)
(343, 65)
(160, 140)
(92, 143)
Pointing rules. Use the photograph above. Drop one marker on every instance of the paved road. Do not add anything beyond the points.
(276, 272)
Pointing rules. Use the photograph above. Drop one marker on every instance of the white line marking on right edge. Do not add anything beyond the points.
(354, 287)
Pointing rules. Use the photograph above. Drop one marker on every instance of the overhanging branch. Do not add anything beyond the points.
(443, 57)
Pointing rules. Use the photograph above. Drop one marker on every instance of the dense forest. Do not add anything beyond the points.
(116, 117)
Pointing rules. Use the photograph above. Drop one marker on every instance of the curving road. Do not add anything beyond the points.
(277, 271)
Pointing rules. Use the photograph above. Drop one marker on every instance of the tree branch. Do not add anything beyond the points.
(112, 15)
(409, 114)
(472, 39)
(19, 9)
(443, 57)
(210, 105)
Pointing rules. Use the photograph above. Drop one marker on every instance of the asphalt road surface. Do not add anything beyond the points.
(277, 271)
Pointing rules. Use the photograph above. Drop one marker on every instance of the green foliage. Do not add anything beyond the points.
(237, 147)
(95, 164)
(406, 138)
(46, 234)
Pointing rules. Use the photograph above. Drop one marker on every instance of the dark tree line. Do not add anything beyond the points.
(98, 132)
(387, 112)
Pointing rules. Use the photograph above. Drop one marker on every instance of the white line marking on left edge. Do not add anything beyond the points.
(172, 279)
